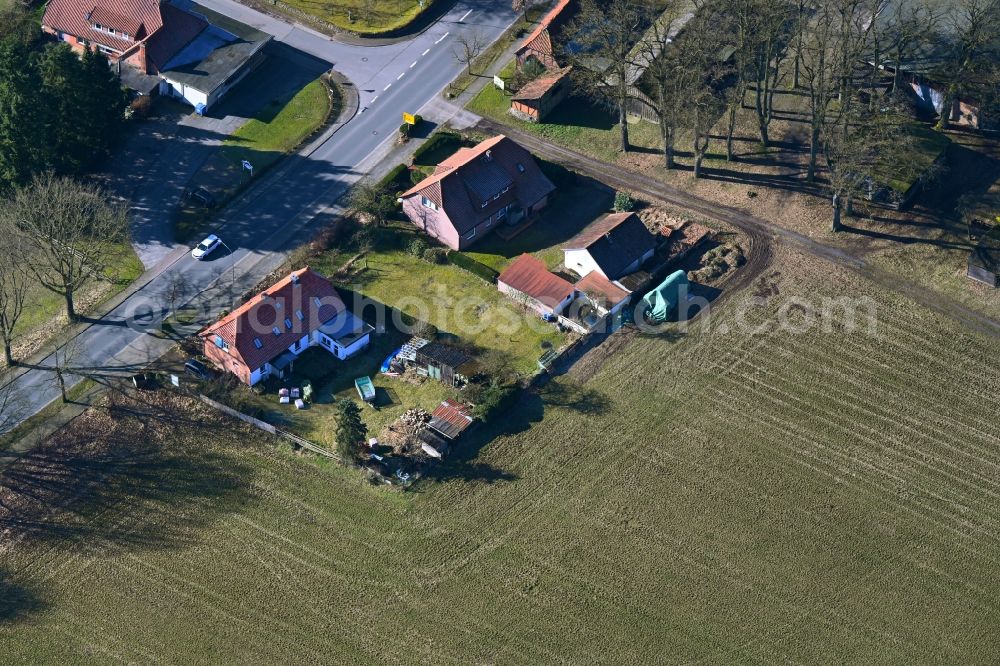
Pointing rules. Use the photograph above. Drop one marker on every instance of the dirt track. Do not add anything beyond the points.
(760, 234)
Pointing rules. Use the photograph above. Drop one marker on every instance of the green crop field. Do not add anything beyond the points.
(715, 496)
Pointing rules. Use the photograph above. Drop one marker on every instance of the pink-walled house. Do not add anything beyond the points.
(476, 190)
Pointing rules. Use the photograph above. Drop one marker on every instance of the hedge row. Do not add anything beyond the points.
(476, 268)
(397, 179)
(433, 142)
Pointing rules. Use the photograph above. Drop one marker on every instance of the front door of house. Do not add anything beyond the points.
(434, 372)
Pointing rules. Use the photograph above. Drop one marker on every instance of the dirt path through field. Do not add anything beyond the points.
(759, 231)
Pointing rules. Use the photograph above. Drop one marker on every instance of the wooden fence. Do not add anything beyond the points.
(267, 427)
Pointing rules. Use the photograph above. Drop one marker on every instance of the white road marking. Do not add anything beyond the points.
(387, 87)
(426, 51)
(441, 38)
(413, 64)
(465, 16)
(401, 75)
(373, 99)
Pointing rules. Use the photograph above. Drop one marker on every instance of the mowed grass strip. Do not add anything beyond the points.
(279, 127)
(719, 496)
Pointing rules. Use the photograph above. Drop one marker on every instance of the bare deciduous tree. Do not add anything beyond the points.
(72, 231)
(469, 47)
(605, 34)
(13, 289)
(971, 43)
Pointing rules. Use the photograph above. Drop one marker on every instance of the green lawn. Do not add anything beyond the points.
(333, 379)
(715, 497)
(460, 304)
(279, 127)
(274, 131)
(576, 124)
(365, 17)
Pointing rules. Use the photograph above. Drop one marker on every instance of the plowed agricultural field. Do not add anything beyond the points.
(714, 497)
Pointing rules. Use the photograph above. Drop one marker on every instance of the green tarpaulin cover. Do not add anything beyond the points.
(661, 301)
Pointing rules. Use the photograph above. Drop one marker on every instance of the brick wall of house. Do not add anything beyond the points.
(434, 222)
(225, 361)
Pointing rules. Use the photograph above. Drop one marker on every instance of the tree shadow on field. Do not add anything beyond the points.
(134, 475)
(462, 464)
(569, 395)
(17, 600)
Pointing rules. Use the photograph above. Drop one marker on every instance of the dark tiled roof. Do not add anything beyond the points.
(179, 29)
(211, 59)
(451, 418)
(277, 307)
(529, 276)
(614, 242)
(462, 183)
(447, 355)
(987, 253)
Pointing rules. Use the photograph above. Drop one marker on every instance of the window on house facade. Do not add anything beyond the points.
(427, 203)
(317, 301)
(257, 343)
(471, 234)
(298, 313)
(276, 331)
(502, 213)
(485, 204)
(221, 344)
(520, 167)
(288, 323)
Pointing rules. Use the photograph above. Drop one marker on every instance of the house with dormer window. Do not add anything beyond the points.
(263, 337)
(477, 189)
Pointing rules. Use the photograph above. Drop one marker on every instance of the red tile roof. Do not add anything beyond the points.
(255, 319)
(529, 276)
(595, 282)
(539, 39)
(165, 29)
(136, 18)
(451, 418)
(539, 87)
(456, 181)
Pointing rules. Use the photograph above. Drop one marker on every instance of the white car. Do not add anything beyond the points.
(206, 247)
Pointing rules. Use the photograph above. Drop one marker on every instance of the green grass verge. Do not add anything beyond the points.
(576, 124)
(50, 411)
(279, 127)
(274, 131)
(42, 306)
(363, 17)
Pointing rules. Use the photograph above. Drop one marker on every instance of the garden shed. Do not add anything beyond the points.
(446, 363)
(984, 260)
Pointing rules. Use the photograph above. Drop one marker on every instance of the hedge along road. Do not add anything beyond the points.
(276, 214)
(759, 231)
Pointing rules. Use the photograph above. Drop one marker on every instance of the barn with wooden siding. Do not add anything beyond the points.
(446, 363)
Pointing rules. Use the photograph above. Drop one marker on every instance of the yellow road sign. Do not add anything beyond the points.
(409, 119)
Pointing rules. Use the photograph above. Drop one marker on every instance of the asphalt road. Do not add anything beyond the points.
(277, 212)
